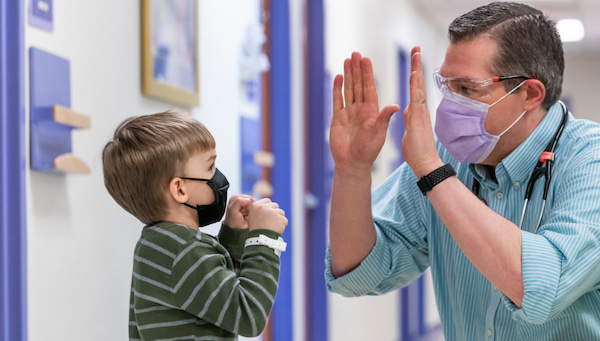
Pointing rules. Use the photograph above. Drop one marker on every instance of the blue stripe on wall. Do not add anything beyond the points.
(13, 267)
(412, 297)
(282, 327)
(316, 219)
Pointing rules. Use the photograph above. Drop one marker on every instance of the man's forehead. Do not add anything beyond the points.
(469, 59)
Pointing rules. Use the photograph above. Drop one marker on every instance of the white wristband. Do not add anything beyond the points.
(278, 245)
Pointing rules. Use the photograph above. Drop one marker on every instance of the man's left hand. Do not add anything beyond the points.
(418, 143)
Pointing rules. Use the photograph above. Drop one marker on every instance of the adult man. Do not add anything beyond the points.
(501, 80)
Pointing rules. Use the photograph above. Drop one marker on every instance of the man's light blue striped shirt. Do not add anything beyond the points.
(561, 263)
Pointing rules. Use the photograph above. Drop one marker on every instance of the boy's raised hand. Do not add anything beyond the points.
(265, 214)
(237, 211)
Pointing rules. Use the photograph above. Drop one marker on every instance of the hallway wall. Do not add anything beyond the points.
(80, 242)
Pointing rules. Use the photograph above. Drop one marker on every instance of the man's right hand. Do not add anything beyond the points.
(358, 129)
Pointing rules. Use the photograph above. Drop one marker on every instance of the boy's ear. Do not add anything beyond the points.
(177, 190)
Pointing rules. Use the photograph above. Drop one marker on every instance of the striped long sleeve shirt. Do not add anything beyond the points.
(560, 263)
(188, 285)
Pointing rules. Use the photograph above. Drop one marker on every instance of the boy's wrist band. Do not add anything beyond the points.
(278, 245)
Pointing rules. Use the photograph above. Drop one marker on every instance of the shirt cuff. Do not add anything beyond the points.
(541, 268)
(366, 277)
(233, 239)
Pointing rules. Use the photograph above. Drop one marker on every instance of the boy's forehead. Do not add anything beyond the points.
(206, 155)
(212, 153)
(201, 158)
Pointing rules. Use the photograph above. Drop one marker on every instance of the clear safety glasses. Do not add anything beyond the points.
(472, 88)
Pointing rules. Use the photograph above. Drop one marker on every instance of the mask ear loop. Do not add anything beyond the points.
(503, 97)
(515, 122)
(510, 92)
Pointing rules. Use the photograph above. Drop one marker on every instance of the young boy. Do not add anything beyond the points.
(188, 285)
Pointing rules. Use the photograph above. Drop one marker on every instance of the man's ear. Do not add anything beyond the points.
(177, 190)
(536, 92)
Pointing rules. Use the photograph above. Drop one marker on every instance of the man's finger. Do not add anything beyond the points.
(389, 110)
(348, 85)
(370, 91)
(417, 94)
(338, 100)
(357, 75)
(417, 65)
(383, 120)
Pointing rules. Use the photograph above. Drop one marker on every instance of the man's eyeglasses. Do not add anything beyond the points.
(472, 88)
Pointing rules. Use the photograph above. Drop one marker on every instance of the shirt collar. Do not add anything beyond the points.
(519, 164)
(522, 160)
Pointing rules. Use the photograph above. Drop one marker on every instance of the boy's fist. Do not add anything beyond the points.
(237, 211)
(265, 214)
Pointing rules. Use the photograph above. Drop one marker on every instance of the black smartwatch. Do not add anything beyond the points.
(427, 182)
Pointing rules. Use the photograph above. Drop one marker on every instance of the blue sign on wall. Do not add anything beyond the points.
(41, 14)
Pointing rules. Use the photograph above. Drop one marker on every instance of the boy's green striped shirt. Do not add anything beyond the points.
(188, 286)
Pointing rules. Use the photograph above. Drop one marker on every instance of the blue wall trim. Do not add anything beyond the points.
(316, 219)
(282, 327)
(412, 297)
(13, 266)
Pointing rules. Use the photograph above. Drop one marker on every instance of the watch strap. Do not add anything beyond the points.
(427, 182)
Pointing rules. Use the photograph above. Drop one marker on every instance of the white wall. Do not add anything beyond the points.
(80, 242)
(581, 84)
(377, 29)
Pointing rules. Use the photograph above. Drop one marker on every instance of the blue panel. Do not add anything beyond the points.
(50, 79)
(282, 327)
(251, 141)
(48, 141)
(316, 219)
(50, 84)
(412, 298)
(13, 239)
(397, 122)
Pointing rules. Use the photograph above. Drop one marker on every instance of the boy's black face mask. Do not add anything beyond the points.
(211, 213)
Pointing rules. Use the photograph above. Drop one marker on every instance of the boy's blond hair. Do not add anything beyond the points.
(146, 152)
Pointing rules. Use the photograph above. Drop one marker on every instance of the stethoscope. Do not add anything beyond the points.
(543, 167)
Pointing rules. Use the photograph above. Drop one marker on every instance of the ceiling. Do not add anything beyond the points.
(588, 11)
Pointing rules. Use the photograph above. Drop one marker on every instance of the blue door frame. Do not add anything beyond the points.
(13, 266)
(317, 163)
(412, 297)
(280, 132)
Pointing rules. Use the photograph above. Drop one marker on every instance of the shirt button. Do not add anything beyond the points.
(499, 195)
(517, 184)
(490, 332)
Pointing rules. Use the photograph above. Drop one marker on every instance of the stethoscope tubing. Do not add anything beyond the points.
(543, 167)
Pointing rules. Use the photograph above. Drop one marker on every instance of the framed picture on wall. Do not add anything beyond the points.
(170, 50)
